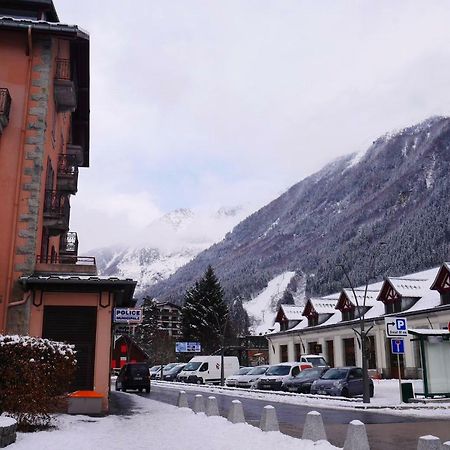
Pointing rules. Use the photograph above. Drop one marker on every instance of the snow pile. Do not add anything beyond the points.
(262, 309)
(38, 344)
(161, 426)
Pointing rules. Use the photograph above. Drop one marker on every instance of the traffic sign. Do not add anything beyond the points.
(397, 346)
(396, 327)
(188, 347)
(127, 315)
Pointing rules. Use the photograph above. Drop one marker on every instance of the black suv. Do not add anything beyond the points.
(133, 376)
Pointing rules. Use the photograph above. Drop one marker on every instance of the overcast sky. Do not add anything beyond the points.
(203, 104)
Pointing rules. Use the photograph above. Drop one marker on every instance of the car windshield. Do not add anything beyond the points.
(309, 373)
(257, 371)
(155, 368)
(278, 370)
(192, 366)
(335, 374)
(169, 367)
(243, 371)
(317, 361)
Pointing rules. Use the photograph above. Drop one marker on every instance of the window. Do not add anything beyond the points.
(348, 314)
(393, 307)
(371, 352)
(445, 298)
(204, 367)
(312, 347)
(283, 353)
(313, 320)
(349, 352)
(295, 371)
(330, 352)
(298, 351)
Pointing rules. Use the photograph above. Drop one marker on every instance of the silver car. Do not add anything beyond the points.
(249, 380)
(232, 379)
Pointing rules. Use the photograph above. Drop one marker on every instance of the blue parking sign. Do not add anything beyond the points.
(397, 346)
(400, 324)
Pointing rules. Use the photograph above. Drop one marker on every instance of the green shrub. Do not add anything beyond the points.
(34, 375)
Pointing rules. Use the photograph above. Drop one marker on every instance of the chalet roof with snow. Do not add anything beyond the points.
(442, 281)
(289, 312)
(319, 306)
(395, 287)
(347, 298)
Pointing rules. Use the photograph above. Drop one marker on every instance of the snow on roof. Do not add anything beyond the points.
(429, 332)
(324, 305)
(72, 277)
(371, 296)
(408, 287)
(293, 312)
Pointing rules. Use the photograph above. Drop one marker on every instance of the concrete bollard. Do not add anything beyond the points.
(269, 419)
(356, 436)
(429, 442)
(211, 406)
(199, 404)
(446, 445)
(236, 414)
(182, 400)
(313, 428)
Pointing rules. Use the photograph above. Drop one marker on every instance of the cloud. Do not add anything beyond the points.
(206, 102)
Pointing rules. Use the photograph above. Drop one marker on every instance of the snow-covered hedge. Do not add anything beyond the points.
(34, 374)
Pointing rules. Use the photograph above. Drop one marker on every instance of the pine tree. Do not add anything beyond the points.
(204, 314)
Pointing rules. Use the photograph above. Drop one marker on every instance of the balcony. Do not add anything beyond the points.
(56, 212)
(67, 174)
(5, 106)
(79, 265)
(77, 152)
(65, 91)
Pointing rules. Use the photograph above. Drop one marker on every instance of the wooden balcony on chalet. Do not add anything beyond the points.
(56, 212)
(64, 86)
(67, 179)
(79, 265)
(5, 107)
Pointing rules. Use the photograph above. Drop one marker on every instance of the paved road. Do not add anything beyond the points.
(386, 432)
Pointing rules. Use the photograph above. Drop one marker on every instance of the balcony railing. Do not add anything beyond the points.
(79, 260)
(67, 173)
(62, 69)
(5, 107)
(56, 211)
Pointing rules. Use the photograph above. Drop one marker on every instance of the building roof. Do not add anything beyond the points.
(412, 285)
(291, 312)
(322, 305)
(347, 294)
(16, 7)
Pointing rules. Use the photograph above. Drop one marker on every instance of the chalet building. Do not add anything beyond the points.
(46, 288)
(327, 324)
(169, 318)
(126, 349)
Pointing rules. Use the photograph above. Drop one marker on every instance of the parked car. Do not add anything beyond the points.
(275, 375)
(206, 369)
(232, 379)
(302, 382)
(154, 371)
(133, 376)
(172, 374)
(341, 381)
(315, 360)
(249, 380)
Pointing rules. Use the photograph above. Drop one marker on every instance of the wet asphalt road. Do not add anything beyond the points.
(385, 431)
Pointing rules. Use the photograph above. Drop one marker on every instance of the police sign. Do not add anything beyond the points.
(396, 327)
(127, 315)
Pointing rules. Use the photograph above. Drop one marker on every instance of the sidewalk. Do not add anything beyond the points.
(148, 424)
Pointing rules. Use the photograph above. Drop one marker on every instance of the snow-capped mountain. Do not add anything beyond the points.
(166, 244)
(385, 209)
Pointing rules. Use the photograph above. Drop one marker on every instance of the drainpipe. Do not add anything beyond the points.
(18, 184)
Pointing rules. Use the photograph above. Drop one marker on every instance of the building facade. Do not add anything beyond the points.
(169, 319)
(328, 323)
(46, 288)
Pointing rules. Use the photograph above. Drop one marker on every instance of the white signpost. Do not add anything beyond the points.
(127, 315)
(397, 329)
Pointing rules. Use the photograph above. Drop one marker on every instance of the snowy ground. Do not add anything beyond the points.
(161, 426)
(386, 399)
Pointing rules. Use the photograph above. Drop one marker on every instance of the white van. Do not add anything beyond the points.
(206, 369)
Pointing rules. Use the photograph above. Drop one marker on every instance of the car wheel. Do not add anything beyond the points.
(147, 390)
(371, 391)
(124, 390)
(345, 393)
(199, 381)
(117, 389)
